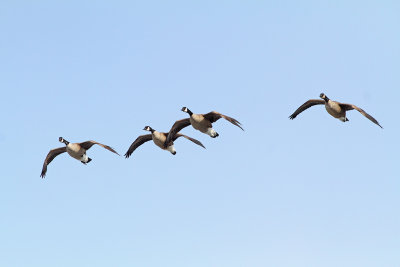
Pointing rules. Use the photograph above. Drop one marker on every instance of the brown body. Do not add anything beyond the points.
(75, 150)
(159, 140)
(335, 109)
(200, 123)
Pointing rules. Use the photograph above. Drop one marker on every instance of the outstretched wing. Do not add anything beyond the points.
(309, 103)
(178, 125)
(351, 107)
(50, 156)
(197, 142)
(213, 116)
(88, 144)
(138, 142)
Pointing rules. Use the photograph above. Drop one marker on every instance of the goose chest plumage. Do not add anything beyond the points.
(335, 109)
(75, 150)
(200, 122)
(159, 139)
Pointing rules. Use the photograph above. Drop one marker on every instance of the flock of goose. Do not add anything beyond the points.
(200, 122)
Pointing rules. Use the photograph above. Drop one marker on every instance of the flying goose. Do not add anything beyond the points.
(201, 122)
(334, 108)
(75, 150)
(159, 139)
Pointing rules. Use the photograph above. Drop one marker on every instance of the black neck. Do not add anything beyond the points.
(189, 112)
(66, 142)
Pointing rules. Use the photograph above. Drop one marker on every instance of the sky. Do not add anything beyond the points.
(309, 192)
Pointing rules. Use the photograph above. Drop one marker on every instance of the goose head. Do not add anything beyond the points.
(324, 97)
(148, 128)
(186, 110)
(62, 140)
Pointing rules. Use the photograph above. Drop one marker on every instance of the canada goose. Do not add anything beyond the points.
(201, 122)
(75, 150)
(158, 139)
(334, 108)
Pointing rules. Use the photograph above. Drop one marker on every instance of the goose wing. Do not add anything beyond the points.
(309, 103)
(351, 107)
(50, 156)
(138, 142)
(178, 125)
(88, 144)
(197, 142)
(213, 116)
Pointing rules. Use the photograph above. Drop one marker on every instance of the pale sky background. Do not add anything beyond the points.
(309, 192)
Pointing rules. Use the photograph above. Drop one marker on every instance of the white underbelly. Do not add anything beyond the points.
(211, 132)
(171, 149)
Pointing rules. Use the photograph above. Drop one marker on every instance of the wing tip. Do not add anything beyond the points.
(238, 124)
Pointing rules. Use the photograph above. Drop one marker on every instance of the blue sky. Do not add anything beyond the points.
(309, 192)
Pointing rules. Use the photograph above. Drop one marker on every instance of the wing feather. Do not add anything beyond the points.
(306, 105)
(138, 142)
(213, 116)
(197, 142)
(351, 107)
(50, 156)
(88, 144)
(178, 125)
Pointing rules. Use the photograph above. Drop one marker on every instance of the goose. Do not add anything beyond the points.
(201, 122)
(334, 108)
(75, 150)
(158, 139)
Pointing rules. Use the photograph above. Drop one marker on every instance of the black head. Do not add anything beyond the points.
(62, 140)
(185, 109)
(324, 97)
(148, 128)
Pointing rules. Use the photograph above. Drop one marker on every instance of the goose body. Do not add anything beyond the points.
(335, 109)
(159, 139)
(75, 150)
(200, 122)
